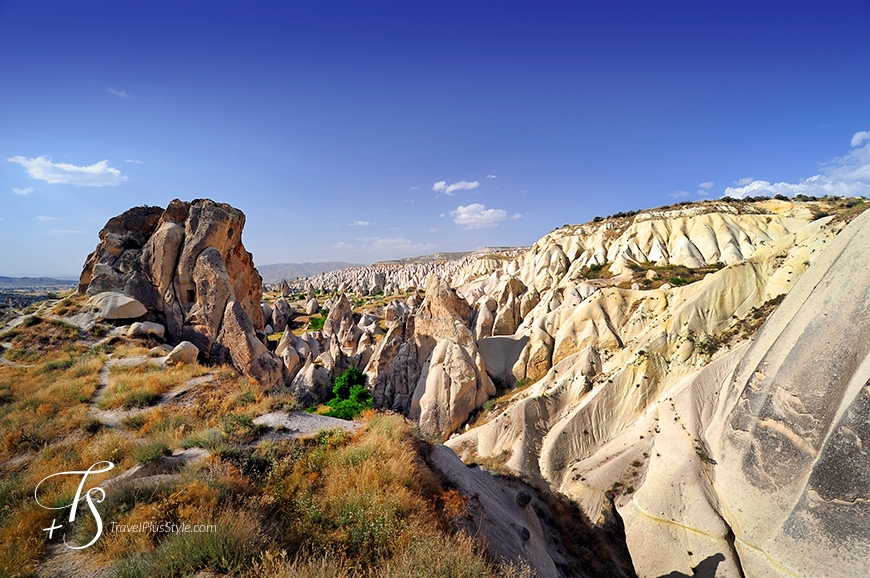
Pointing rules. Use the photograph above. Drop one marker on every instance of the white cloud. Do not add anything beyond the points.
(341, 245)
(133, 161)
(413, 188)
(63, 232)
(491, 177)
(477, 216)
(359, 224)
(680, 194)
(744, 181)
(442, 186)
(847, 176)
(393, 244)
(860, 137)
(44, 219)
(96, 175)
(118, 93)
(706, 185)
(26, 191)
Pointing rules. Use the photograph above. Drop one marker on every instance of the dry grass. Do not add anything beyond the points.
(38, 340)
(70, 305)
(141, 385)
(363, 505)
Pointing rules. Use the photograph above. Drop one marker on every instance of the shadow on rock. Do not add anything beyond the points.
(706, 569)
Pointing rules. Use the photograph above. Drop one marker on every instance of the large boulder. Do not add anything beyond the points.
(111, 305)
(187, 268)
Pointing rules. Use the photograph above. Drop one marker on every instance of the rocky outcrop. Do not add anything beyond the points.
(187, 267)
(730, 453)
(430, 368)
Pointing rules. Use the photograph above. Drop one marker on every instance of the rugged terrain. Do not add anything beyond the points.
(695, 371)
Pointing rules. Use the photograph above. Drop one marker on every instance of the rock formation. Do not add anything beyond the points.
(726, 453)
(187, 268)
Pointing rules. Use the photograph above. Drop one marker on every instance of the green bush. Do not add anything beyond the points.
(352, 396)
(316, 323)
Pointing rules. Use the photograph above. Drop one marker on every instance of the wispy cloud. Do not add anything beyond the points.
(96, 175)
(842, 176)
(64, 232)
(133, 161)
(491, 177)
(44, 219)
(706, 185)
(860, 137)
(477, 216)
(680, 194)
(118, 93)
(26, 191)
(744, 181)
(443, 187)
(341, 245)
(392, 244)
(359, 224)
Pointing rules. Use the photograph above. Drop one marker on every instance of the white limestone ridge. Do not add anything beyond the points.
(726, 449)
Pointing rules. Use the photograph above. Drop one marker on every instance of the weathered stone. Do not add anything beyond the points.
(238, 343)
(281, 314)
(146, 329)
(111, 305)
(312, 307)
(184, 352)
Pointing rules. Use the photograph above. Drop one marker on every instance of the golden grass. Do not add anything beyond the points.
(141, 385)
(38, 340)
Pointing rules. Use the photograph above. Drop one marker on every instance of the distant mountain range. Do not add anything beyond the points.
(27, 282)
(290, 271)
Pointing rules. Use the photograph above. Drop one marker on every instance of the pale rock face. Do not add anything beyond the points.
(312, 307)
(484, 320)
(184, 265)
(292, 363)
(746, 463)
(281, 314)
(111, 305)
(394, 369)
(340, 324)
(451, 386)
(146, 329)
(184, 352)
(399, 367)
(311, 384)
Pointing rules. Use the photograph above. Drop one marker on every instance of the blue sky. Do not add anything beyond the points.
(359, 131)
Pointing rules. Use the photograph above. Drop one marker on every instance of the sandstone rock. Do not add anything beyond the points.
(104, 279)
(161, 350)
(184, 352)
(238, 343)
(451, 386)
(312, 307)
(183, 265)
(111, 305)
(292, 364)
(281, 314)
(146, 329)
(311, 384)
(340, 324)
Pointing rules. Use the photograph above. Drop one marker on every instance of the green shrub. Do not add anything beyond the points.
(352, 396)
(316, 323)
